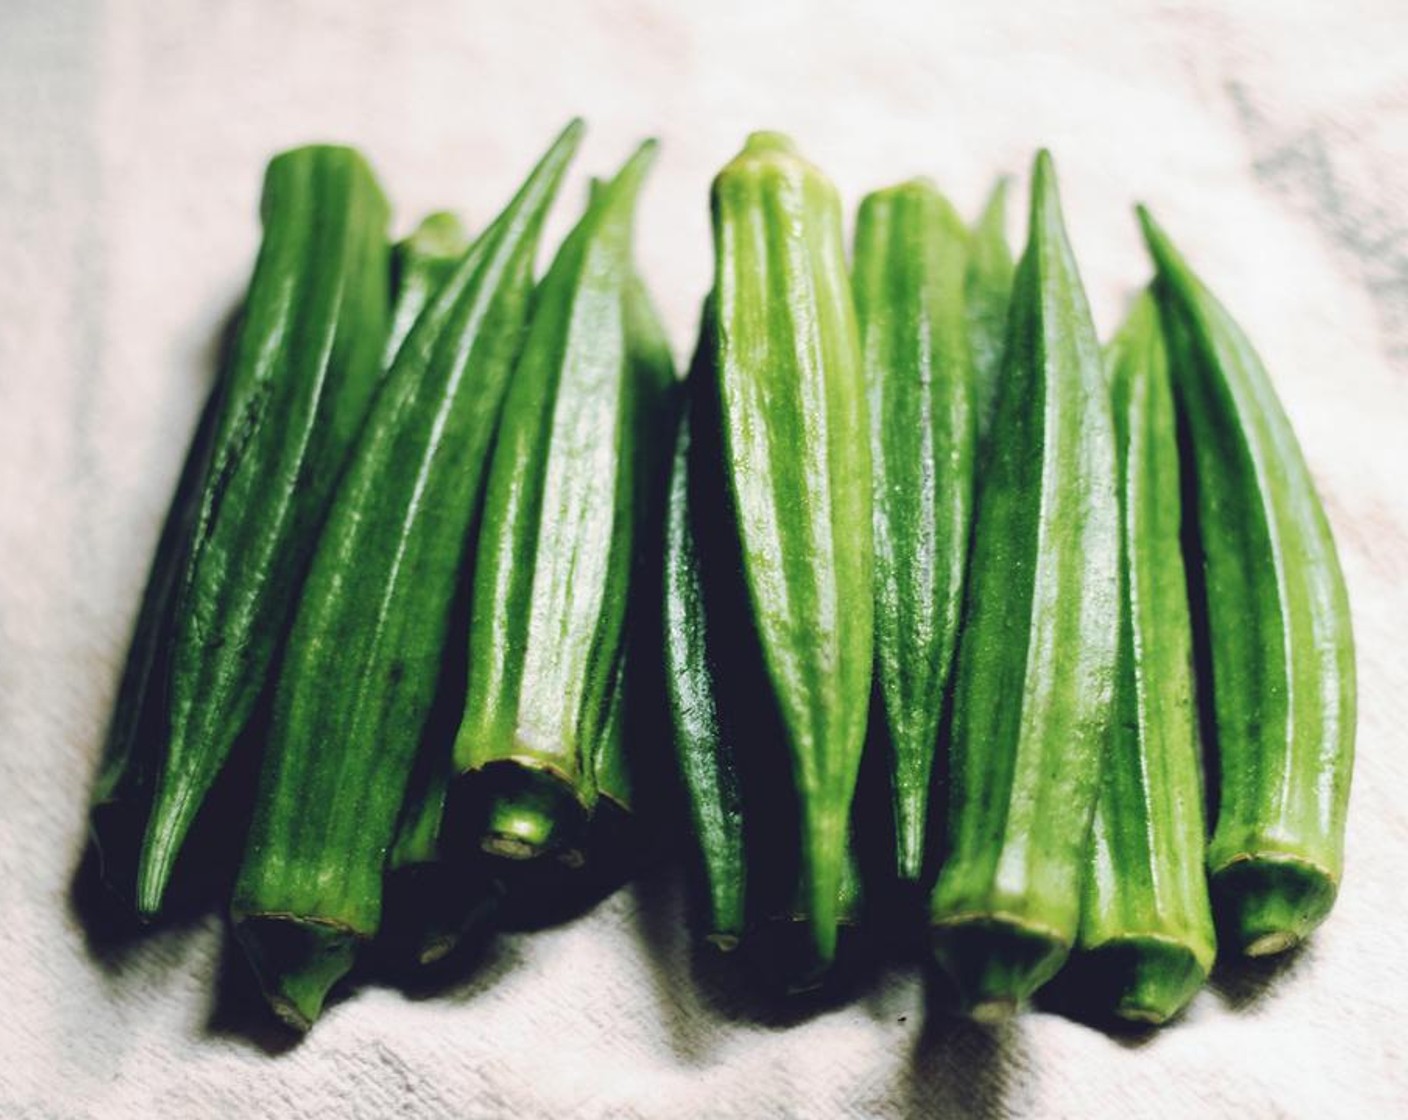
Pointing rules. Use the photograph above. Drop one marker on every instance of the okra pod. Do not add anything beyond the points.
(1278, 628)
(557, 547)
(306, 365)
(363, 658)
(1036, 662)
(910, 258)
(988, 295)
(1146, 931)
(796, 459)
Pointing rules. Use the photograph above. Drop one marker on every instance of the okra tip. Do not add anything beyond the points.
(167, 828)
(1167, 258)
(1046, 197)
(440, 234)
(995, 209)
(1269, 903)
(297, 961)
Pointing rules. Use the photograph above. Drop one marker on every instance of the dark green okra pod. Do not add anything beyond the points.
(307, 363)
(557, 547)
(1278, 625)
(363, 658)
(704, 746)
(1146, 934)
(795, 451)
(910, 258)
(653, 366)
(1036, 662)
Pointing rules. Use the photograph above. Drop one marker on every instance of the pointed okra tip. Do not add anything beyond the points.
(995, 209)
(541, 185)
(627, 182)
(162, 843)
(1158, 242)
(1046, 216)
(297, 962)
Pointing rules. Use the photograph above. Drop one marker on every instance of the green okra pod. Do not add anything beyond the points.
(653, 367)
(909, 267)
(790, 384)
(1036, 661)
(988, 295)
(704, 746)
(557, 547)
(306, 365)
(363, 658)
(1146, 931)
(1278, 623)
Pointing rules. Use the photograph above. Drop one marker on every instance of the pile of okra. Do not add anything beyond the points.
(909, 606)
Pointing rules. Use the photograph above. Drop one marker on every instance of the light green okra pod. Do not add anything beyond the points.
(1036, 661)
(988, 296)
(1146, 927)
(796, 456)
(911, 252)
(1280, 639)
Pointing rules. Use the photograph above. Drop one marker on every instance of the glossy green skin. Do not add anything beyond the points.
(307, 364)
(363, 657)
(704, 748)
(988, 294)
(557, 546)
(908, 275)
(423, 264)
(796, 451)
(1146, 925)
(1036, 662)
(653, 365)
(1282, 649)
(611, 773)
(420, 267)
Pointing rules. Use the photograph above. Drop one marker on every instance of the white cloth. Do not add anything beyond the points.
(1270, 139)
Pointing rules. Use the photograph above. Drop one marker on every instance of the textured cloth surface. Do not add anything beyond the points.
(1270, 138)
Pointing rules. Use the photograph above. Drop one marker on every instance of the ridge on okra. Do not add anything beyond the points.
(375, 613)
(554, 562)
(1036, 661)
